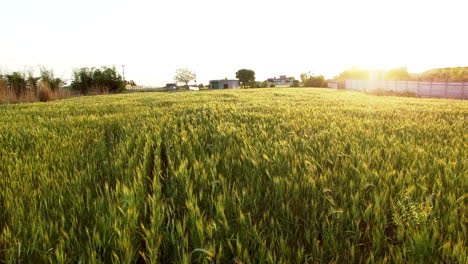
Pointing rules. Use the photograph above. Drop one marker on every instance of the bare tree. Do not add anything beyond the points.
(184, 75)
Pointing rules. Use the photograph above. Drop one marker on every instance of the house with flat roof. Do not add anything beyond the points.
(281, 81)
(224, 84)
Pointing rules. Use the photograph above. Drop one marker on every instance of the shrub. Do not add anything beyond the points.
(16, 82)
(315, 81)
(45, 94)
(295, 83)
(258, 84)
(254, 84)
(47, 76)
(92, 80)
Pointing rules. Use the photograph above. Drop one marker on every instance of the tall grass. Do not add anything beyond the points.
(246, 176)
(21, 88)
(44, 94)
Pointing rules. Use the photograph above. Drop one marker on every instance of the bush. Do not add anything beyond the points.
(295, 83)
(45, 94)
(272, 85)
(47, 76)
(315, 81)
(254, 84)
(17, 82)
(92, 80)
(258, 84)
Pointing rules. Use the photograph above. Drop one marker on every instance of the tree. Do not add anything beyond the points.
(295, 83)
(105, 79)
(3, 83)
(313, 80)
(304, 77)
(355, 73)
(17, 82)
(184, 75)
(397, 74)
(459, 74)
(32, 81)
(245, 76)
(47, 77)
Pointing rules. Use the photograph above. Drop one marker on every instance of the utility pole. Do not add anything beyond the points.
(123, 72)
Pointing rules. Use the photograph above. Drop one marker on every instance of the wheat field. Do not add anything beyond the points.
(240, 176)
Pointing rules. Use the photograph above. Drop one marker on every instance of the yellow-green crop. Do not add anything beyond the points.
(240, 176)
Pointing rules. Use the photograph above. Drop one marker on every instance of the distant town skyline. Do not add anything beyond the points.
(217, 38)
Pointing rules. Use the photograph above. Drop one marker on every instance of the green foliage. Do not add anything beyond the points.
(263, 84)
(234, 176)
(254, 84)
(94, 80)
(3, 83)
(17, 82)
(245, 76)
(354, 73)
(304, 77)
(397, 74)
(295, 83)
(17, 87)
(457, 74)
(313, 80)
(32, 82)
(48, 77)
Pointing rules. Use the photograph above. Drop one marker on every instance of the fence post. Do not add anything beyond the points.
(417, 91)
(430, 90)
(463, 91)
(446, 86)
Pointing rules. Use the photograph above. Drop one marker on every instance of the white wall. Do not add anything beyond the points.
(457, 90)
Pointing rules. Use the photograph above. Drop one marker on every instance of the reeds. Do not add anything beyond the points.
(17, 88)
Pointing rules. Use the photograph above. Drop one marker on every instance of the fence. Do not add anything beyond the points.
(145, 89)
(456, 90)
(139, 87)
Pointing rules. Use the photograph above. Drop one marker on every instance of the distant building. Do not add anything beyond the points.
(224, 84)
(171, 86)
(281, 81)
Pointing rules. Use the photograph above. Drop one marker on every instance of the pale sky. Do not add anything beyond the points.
(215, 38)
